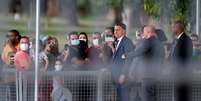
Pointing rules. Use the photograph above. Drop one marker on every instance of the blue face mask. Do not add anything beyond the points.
(75, 42)
(195, 53)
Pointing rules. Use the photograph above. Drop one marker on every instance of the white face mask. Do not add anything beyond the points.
(75, 42)
(58, 67)
(24, 47)
(109, 39)
(95, 42)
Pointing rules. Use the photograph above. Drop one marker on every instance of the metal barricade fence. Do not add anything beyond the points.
(79, 86)
(8, 85)
(83, 85)
(196, 87)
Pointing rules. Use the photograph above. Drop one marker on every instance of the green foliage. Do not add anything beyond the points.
(84, 6)
(152, 7)
(180, 10)
(116, 3)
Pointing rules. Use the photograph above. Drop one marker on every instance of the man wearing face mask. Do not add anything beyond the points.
(95, 53)
(108, 46)
(109, 38)
(11, 47)
(70, 48)
(22, 57)
(73, 51)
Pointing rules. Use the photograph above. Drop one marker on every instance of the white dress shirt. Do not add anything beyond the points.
(119, 41)
(180, 35)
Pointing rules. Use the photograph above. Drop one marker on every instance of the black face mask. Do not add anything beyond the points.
(82, 50)
(83, 44)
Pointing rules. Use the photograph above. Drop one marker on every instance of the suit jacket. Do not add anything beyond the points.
(120, 64)
(181, 52)
(149, 55)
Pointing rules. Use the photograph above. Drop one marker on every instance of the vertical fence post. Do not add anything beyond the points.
(19, 92)
(37, 49)
(173, 91)
(20, 86)
(16, 86)
(100, 87)
(198, 18)
(24, 87)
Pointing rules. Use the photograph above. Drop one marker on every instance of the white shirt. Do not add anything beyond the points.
(119, 41)
(180, 35)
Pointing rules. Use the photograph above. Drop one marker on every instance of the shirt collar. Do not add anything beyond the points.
(119, 39)
(180, 35)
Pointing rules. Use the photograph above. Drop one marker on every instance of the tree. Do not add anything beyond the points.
(180, 10)
(68, 10)
(15, 6)
(136, 7)
(117, 6)
(84, 7)
(151, 7)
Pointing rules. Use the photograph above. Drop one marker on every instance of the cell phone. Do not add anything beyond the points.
(11, 56)
(66, 47)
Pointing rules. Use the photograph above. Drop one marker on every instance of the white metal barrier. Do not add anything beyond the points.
(83, 85)
(79, 86)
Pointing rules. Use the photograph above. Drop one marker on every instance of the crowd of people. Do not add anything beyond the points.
(19, 51)
(110, 50)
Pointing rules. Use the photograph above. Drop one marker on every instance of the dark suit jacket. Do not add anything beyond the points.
(120, 65)
(150, 55)
(181, 52)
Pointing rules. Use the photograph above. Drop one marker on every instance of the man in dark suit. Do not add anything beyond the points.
(120, 64)
(149, 56)
(181, 52)
(180, 57)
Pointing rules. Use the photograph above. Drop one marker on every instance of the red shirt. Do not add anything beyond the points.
(22, 61)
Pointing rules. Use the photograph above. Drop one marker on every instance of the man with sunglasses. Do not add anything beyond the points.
(11, 46)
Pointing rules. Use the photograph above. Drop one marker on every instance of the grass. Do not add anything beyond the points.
(57, 27)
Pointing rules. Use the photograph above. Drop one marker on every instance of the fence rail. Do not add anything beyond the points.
(80, 86)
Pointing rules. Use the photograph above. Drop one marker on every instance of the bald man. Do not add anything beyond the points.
(180, 57)
(150, 47)
(148, 57)
(182, 47)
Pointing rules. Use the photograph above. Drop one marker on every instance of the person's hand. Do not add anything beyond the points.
(110, 44)
(122, 79)
(123, 56)
(65, 54)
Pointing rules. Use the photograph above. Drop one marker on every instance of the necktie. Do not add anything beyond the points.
(116, 43)
(174, 46)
